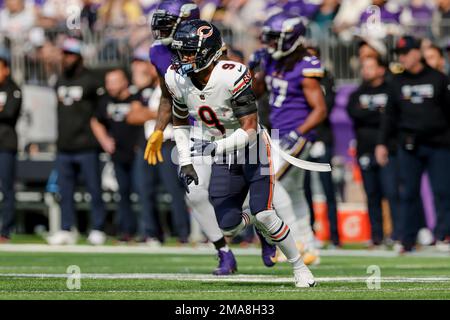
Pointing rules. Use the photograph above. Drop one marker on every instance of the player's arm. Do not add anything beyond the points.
(139, 114)
(153, 149)
(181, 132)
(316, 100)
(258, 83)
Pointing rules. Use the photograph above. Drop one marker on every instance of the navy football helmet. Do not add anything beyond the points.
(282, 33)
(168, 16)
(197, 44)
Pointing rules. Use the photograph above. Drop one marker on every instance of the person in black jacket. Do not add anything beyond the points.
(76, 91)
(366, 107)
(322, 151)
(121, 141)
(10, 104)
(420, 113)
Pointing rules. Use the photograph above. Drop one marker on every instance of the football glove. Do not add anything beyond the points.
(288, 141)
(153, 149)
(187, 174)
(203, 148)
(256, 57)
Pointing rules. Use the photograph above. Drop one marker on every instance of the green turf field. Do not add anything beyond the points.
(41, 275)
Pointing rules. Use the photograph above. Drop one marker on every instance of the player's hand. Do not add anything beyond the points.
(288, 141)
(203, 148)
(153, 149)
(187, 174)
(256, 57)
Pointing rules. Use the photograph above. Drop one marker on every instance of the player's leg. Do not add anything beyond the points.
(227, 192)
(298, 213)
(261, 180)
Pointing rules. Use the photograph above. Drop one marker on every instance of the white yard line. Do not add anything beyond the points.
(264, 290)
(200, 250)
(211, 278)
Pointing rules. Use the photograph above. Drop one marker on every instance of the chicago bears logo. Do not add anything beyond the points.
(205, 31)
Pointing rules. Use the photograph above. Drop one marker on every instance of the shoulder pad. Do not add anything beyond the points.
(311, 67)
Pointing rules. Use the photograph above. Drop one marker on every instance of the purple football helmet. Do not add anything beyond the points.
(282, 33)
(168, 16)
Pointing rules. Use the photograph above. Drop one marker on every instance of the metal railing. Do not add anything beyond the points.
(114, 47)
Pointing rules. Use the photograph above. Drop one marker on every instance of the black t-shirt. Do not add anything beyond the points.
(420, 109)
(77, 98)
(323, 130)
(366, 107)
(10, 105)
(112, 114)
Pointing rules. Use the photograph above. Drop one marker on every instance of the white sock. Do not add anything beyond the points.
(280, 235)
(204, 213)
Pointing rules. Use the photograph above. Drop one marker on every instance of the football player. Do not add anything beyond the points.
(297, 106)
(218, 95)
(165, 20)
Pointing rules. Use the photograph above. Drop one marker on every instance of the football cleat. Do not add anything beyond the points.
(311, 258)
(227, 264)
(62, 237)
(303, 278)
(268, 251)
(96, 238)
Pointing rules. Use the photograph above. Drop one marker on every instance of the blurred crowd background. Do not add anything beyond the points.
(116, 33)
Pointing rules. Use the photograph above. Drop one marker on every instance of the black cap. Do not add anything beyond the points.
(405, 44)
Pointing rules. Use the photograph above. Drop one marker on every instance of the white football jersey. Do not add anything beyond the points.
(211, 107)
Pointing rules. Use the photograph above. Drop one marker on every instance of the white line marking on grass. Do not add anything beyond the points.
(210, 278)
(199, 250)
(256, 290)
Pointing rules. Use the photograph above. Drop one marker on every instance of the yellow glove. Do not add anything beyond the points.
(153, 150)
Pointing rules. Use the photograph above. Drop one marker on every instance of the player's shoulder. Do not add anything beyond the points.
(160, 56)
(157, 47)
(234, 74)
(311, 67)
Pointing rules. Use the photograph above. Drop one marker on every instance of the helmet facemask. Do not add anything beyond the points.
(164, 26)
(282, 43)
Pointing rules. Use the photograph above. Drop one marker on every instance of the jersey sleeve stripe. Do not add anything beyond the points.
(241, 77)
(313, 72)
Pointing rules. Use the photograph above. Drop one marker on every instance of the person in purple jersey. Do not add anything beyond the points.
(297, 107)
(165, 21)
(389, 13)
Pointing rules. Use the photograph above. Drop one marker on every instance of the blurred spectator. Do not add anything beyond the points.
(88, 14)
(443, 18)
(381, 19)
(54, 13)
(417, 17)
(421, 116)
(76, 90)
(16, 19)
(322, 151)
(371, 48)
(10, 105)
(146, 80)
(119, 13)
(366, 107)
(323, 19)
(304, 8)
(348, 17)
(120, 140)
(434, 57)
